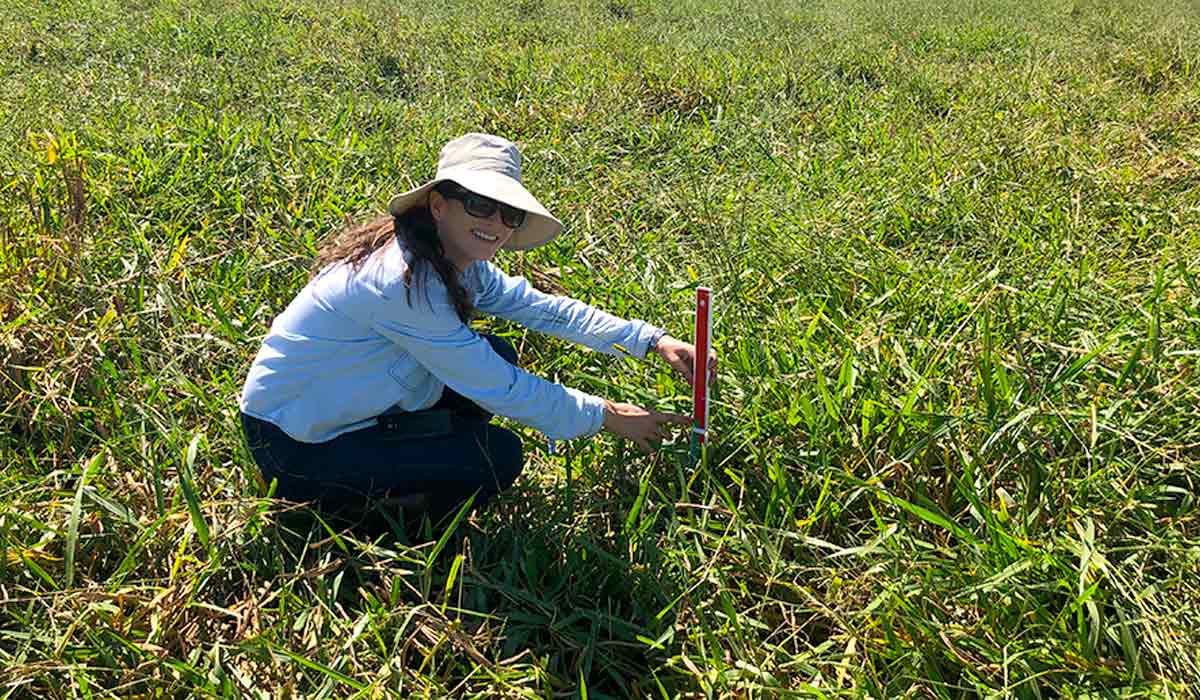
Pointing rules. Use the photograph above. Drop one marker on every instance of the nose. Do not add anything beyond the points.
(496, 220)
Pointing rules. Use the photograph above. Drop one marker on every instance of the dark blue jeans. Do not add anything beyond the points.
(470, 457)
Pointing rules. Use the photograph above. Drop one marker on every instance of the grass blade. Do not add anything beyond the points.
(450, 529)
(73, 522)
(928, 516)
(186, 482)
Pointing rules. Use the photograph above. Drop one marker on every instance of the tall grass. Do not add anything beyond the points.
(955, 249)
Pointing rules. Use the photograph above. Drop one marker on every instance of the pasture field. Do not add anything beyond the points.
(955, 252)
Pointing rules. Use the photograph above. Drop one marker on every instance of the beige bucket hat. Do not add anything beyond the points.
(491, 166)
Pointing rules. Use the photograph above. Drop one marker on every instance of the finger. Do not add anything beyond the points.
(685, 369)
(644, 446)
(663, 420)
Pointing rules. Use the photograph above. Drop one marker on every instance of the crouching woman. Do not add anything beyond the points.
(372, 386)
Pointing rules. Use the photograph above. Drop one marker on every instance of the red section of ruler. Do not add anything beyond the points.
(700, 364)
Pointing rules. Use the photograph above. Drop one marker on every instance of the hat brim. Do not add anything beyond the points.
(540, 226)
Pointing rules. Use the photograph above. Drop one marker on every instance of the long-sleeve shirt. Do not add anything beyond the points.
(350, 346)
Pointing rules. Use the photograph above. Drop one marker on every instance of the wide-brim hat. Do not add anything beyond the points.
(490, 166)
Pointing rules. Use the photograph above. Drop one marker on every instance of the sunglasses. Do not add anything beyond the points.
(483, 207)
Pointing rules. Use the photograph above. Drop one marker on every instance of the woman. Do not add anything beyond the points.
(371, 385)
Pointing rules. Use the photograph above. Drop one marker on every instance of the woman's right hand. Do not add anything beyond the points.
(645, 427)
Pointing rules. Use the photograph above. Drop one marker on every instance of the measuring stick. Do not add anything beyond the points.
(700, 365)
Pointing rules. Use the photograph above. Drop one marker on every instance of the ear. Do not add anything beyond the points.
(437, 205)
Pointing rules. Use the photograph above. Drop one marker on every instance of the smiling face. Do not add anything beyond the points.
(466, 238)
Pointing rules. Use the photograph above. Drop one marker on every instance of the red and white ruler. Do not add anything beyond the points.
(700, 364)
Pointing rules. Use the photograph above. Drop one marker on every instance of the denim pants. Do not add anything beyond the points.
(470, 456)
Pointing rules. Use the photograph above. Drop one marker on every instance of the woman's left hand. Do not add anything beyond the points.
(682, 356)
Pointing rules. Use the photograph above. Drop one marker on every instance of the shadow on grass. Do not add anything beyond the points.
(523, 581)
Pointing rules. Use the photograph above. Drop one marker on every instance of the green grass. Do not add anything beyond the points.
(955, 249)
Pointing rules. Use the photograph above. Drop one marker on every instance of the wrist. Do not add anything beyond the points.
(611, 415)
(655, 340)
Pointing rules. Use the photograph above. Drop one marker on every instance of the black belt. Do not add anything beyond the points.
(412, 425)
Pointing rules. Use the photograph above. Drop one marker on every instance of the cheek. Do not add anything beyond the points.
(459, 231)
(448, 224)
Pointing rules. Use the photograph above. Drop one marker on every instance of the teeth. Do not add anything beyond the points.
(483, 236)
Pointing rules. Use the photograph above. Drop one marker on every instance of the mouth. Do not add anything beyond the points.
(483, 236)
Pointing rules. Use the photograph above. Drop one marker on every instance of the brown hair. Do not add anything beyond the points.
(417, 233)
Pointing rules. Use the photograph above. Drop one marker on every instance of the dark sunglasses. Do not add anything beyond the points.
(483, 207)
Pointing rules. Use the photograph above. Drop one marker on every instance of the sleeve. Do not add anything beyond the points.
(514, 299)
(464, 361)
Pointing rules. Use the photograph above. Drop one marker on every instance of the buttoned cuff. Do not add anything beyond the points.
(594, 408)
(659, 334)
(647, 337)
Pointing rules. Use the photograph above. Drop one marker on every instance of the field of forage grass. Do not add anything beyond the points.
(955, 251)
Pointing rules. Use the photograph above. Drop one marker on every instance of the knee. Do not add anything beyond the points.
(506, 455)
(504, 349)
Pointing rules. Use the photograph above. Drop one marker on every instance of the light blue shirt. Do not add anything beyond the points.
(350, 346)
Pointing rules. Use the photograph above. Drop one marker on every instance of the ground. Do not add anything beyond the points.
(955, 255)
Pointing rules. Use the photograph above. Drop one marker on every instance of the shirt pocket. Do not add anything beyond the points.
(407, 372)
